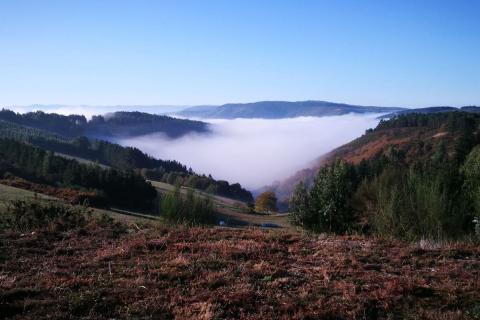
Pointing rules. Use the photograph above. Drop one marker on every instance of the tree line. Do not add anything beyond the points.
(116, 124)
(201, 182)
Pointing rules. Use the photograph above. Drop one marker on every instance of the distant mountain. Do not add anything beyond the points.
(280, 110)
(113, 125)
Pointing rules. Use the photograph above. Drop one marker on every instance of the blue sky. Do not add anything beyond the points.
(394, 53)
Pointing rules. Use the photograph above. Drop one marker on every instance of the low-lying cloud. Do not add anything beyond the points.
(257, 152)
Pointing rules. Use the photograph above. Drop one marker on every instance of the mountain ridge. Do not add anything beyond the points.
(281, 109)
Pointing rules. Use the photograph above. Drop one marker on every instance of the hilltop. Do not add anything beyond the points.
(116, 125)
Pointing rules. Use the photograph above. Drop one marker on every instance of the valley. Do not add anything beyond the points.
(239, 160)
(92, 229)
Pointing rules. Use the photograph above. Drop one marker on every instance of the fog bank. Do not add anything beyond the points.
(257, 152)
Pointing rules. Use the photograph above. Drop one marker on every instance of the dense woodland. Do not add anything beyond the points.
(435, 194)
(120, 188)
(120, 124)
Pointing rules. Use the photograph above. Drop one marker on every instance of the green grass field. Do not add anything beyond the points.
(232, 212)
(8, 193)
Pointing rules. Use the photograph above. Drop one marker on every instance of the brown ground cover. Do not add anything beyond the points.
(214, 273)
(70, 195)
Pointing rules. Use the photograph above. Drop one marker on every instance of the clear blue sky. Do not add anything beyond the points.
(405, 53)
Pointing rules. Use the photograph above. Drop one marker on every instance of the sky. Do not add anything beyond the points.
(391, 53)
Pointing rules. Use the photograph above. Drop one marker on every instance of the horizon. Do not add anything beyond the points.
(159, 105)
(169, 110)
(185, 53)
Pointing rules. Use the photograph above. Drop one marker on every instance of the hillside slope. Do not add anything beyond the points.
(418, 139)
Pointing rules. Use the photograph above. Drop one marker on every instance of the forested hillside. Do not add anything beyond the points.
(120, 188)
(127, 124)
(414, 176)
(103, 152)
(39, 129)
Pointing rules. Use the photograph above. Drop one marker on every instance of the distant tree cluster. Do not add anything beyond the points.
(201, 182)
(115, 124)
(435, 196)
(139, 123)
(121, 188)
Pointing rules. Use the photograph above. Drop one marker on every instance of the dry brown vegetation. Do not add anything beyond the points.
(97, 272)
(68, 194)
(412, 140)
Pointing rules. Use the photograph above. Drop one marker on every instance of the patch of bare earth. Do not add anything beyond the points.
(231, 274)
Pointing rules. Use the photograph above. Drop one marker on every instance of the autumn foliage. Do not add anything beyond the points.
(266, 202)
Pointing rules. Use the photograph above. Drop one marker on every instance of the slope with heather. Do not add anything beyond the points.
(418, 140)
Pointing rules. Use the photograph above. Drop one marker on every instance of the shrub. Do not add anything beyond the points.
(326, 207)
(412, 204)
(22, 215)
(299, 207)
(190, 210)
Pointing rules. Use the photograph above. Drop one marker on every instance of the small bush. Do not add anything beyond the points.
(190, 210)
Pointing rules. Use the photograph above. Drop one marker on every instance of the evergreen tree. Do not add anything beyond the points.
(330, 198)
(299, 206)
